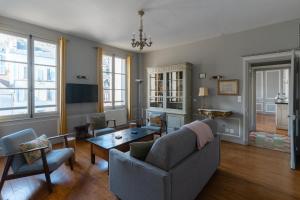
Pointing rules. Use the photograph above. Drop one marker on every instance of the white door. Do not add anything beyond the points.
(294, 110)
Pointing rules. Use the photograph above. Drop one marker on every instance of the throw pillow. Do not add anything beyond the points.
(140, 150)
(98, 122)
(41, 141)
(154, 120)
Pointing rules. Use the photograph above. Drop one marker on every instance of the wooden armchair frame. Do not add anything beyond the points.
(46, 171)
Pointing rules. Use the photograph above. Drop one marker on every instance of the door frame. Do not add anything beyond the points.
(255, 69)
(248, 97)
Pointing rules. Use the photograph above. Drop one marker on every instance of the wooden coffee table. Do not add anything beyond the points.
(101, 145)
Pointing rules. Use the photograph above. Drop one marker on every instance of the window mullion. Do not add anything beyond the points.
(113, 81)
(30, 77)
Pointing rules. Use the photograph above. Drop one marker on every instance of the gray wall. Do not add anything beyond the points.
(223, 56)
(81, 59)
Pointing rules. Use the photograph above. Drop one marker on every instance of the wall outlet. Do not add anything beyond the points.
(239, 99)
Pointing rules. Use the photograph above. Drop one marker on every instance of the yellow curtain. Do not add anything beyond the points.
(100, 105)
(62, 67)
(129, 88)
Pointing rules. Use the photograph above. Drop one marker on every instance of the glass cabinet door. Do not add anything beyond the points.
(156, 90)
(175, 90)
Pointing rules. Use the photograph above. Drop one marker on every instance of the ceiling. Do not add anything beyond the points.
(169, 22)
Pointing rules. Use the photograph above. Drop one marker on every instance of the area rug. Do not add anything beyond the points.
(270, 141)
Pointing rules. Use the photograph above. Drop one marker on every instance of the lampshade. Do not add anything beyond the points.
(203, 91)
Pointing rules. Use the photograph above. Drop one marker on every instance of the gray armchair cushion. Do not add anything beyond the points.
(103, 131)
(54, 158)
(98, 121)
(169, 150)
(152, 128)
(152, 118)
(11, 142)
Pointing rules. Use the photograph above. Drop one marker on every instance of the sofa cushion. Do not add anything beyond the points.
(169, 150)
(140, 150)
(41, 141)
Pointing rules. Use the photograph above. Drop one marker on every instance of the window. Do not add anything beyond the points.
(23, 88)
(45, 77)
(114, 81)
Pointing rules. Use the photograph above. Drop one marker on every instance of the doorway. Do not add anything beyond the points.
(249, 102)
(271, 84)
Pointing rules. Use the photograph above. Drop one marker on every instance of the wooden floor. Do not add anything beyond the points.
(245, 172)
(267, 123)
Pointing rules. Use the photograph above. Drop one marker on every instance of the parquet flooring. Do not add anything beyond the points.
(267, 123)
(245, 173)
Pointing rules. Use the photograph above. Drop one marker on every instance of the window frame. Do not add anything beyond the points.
(113, 72)
(30, 79)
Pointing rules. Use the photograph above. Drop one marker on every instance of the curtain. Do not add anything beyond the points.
(62, 67)
(129, 88)
(100, 104)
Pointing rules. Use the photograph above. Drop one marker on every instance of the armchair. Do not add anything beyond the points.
(45, 165)
(98, 125)
(156, 121)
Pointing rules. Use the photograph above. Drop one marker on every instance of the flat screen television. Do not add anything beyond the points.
(81, 93)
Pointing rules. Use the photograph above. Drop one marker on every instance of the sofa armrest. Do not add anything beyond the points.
(133, 179)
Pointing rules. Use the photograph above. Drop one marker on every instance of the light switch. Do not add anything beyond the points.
(239, 99)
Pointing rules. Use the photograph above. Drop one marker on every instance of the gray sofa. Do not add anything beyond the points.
(174, 168)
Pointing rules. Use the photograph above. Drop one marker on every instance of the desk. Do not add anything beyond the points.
(212, 113)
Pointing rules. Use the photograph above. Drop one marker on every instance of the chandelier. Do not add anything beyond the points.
(142, 41)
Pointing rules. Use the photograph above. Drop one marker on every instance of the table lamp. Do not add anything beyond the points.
(203, 92)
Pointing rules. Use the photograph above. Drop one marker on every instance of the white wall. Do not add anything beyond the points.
(223, 56)
(81, 59)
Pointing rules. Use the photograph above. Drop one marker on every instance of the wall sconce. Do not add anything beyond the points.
(81, 77)
(218, 77)
(202, 75)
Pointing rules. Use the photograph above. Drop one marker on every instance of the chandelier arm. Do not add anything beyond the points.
(148, 44)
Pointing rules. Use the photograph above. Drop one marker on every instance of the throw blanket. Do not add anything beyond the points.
(203, 132)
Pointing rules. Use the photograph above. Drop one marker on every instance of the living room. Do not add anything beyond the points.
(67, 67)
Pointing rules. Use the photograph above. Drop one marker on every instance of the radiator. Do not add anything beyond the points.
(120, 115)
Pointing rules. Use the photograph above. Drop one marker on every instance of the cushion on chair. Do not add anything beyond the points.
(155, 118)
(11, 142)
(98, 121)
(55, 158)
(152, 128)
(140, 150)
(103, 131)
(41, 141)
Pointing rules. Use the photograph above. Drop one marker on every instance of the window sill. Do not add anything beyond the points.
(28, 119)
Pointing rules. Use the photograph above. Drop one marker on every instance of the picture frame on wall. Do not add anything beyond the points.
(228, 87)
